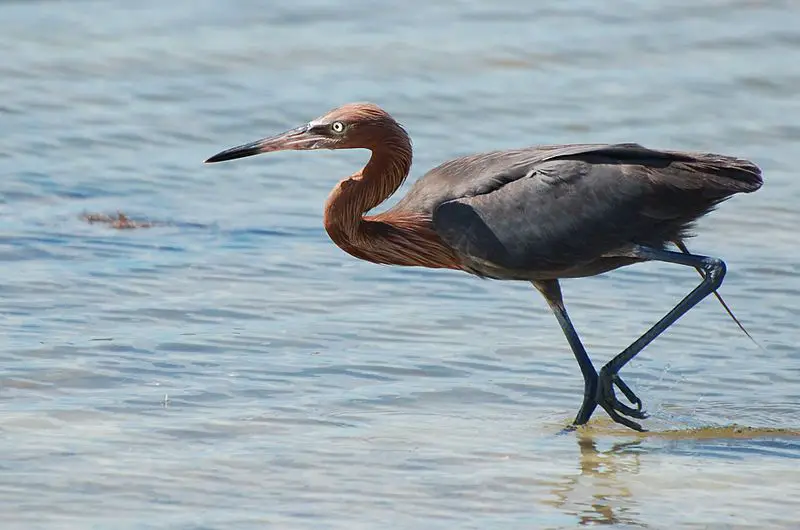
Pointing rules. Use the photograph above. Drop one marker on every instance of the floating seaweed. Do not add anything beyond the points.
(120, 221)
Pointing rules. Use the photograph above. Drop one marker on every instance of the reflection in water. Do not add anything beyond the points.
(599, 495)
(602, 494)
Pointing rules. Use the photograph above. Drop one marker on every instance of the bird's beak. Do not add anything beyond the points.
(297, 139)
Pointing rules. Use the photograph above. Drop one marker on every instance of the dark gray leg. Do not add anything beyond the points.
(714, 270)
(551, 290)
(552, 293)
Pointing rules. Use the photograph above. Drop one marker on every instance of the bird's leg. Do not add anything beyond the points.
(714, 270)
(551, 290)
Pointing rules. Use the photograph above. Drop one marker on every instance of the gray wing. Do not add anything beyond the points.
(571, 204)
(478, 174)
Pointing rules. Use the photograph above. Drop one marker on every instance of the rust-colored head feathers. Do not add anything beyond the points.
(362, 125)
(362, 112)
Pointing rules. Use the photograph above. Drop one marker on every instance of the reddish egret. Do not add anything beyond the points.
(538, 214)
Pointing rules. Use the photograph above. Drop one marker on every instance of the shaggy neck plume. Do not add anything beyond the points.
(384, 238)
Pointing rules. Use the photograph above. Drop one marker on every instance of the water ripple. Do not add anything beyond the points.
(226, 365)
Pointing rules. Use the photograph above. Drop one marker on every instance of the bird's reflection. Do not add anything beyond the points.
(599, 495)
(599, 491)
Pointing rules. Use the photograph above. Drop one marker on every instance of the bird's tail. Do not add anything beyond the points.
(682, 247)
(725, 173)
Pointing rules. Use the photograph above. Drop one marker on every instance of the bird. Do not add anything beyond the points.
(537, 214)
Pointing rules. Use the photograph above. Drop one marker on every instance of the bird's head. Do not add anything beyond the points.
(351, 126)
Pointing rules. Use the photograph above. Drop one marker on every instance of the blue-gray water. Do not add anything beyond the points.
(231, 368)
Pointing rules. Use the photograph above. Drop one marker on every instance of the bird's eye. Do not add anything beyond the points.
(337, 127)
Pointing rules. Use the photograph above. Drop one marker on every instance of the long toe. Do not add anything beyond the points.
(625, 410)
(622, 419)
(625, 389)
(607, 399)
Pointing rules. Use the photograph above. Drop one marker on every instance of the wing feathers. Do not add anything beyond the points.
(560, 205)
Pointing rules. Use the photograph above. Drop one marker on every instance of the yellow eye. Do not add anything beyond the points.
(337, 127)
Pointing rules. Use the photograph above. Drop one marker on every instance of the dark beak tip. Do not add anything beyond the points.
(230, 154)
(282, 142)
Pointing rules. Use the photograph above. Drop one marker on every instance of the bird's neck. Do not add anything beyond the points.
(384, 238)
(354, 196)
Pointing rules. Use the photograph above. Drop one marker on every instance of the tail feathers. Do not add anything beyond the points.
(724, 173)
(718, 176)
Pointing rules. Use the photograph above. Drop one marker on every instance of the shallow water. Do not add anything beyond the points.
(229, 367)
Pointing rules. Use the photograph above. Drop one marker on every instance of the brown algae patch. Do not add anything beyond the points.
(120, 221)
(726, 432)
(722, 432)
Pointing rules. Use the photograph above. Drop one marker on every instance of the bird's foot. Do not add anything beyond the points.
(589, 400)
(607, 399)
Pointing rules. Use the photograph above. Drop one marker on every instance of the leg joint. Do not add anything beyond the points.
(715, 271)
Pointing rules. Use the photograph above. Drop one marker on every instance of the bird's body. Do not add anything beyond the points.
(562, 211)
(538, 214)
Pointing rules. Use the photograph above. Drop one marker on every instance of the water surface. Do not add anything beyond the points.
(229, 367)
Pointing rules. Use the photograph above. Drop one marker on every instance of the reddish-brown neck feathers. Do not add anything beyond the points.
(384, 238)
